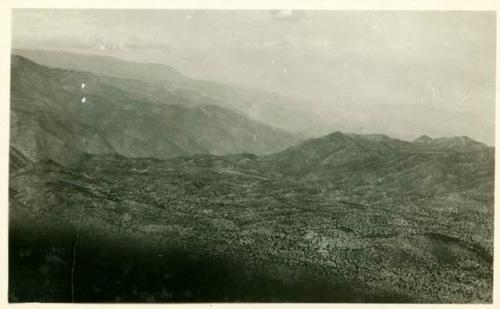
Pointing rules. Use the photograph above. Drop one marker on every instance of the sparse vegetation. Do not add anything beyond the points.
(125, 197)
(432, 247)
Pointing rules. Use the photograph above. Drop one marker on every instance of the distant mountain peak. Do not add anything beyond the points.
(102, 65)
(17, 61)
(453, 143)
(423, 139)
(458, 141)
(371, 137)
(335, 134)
(335, 137)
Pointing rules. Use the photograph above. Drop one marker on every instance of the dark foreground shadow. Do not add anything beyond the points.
(43, 267)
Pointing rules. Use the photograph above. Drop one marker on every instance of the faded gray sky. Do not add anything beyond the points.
(439, 59)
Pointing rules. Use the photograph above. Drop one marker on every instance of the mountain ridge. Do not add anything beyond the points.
(300, 117)
(353, 217)
(328, 215)
(390, 164)
(47, 103)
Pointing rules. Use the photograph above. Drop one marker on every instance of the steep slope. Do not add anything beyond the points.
(321, 155)
(102, 65)
(383, 164)
(284, 113)
(49, 119)
(299, 116)
(340, 218)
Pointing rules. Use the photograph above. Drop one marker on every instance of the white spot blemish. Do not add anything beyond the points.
(284, 14)
(433, 91)
(273, 61)
(83, 85)
(189, 16)
(285, 71)
(102, 47)
(84, 99)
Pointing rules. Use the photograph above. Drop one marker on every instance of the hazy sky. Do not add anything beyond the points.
(441, 59)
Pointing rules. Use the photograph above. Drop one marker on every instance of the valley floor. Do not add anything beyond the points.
(212, 228)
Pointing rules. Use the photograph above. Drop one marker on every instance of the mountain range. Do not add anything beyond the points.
(157, 188)
(304, 118)
(122, 116)
(389, 164)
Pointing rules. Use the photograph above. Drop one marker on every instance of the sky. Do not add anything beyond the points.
(440, 59)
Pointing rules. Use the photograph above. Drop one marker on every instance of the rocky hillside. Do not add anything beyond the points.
(342, 218)
(299, 116)
(162, 81)
(127, 190)
(366, 162)
(61, 114)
